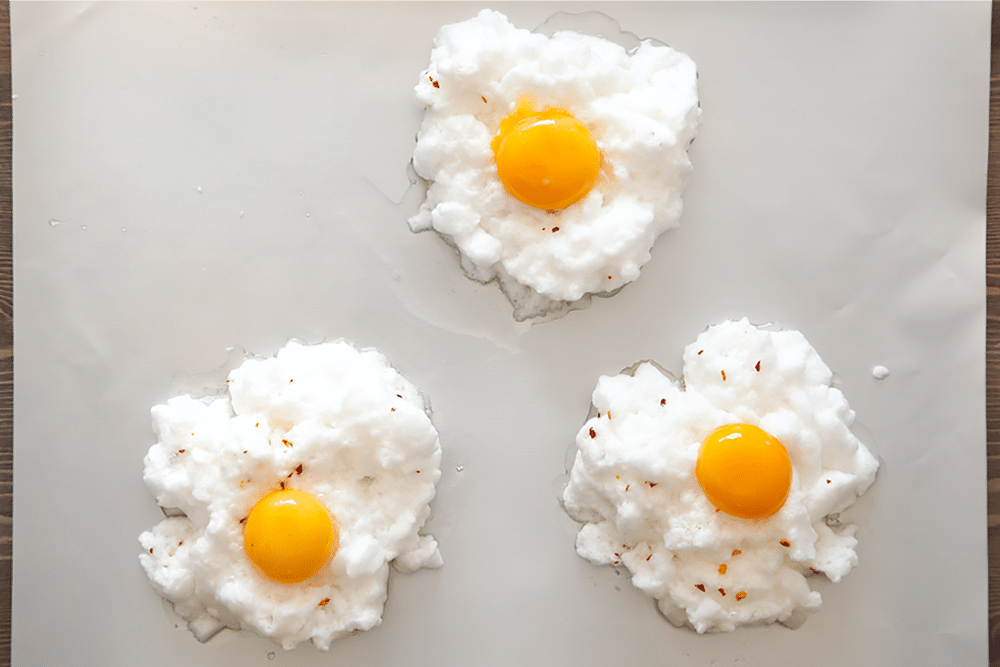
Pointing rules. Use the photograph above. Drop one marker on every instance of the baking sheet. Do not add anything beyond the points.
(195, 180)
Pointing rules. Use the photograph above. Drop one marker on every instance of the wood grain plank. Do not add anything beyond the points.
(6, 336)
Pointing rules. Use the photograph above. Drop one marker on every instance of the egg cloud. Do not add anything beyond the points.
(645, 469)
(553, 163)
(289, 497)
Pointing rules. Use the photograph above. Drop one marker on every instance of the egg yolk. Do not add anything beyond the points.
(289, 535)
(546, 159)
(744, 471)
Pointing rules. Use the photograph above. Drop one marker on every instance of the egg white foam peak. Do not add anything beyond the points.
(642, 110)
(338, 423)
(633, 482)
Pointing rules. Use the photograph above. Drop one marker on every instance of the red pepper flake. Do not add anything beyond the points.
(737, 552)
(722, 568)
(700, 587)
(418, 472)
(652, 484)
(785, 543)
(282, 485)
(291, 381)
(243, 520)
(323, 602)
(609, 414)
(699, 352)
(609, 277)
(649, 556)
(484, 99)
(723, 376)
(399, 396)
(244, 451)
(626, 486)
(814, 570)
(723, 591)
(180, 543)
(593, 433)
(290, 475)
(181, 451)
(392, 409)
(150, 549)
(663, 401)
(433, 82)
(286, 443)
(757, 367)
(739, 596)
(827, 481)
(298, 469)
(257, 425)
(555, 229)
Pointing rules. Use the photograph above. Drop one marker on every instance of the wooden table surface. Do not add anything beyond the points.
(7, 339)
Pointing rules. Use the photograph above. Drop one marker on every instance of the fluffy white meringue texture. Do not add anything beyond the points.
(634, 488)
(641, 108)
(338, 423)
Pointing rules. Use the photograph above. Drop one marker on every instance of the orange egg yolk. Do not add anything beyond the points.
(289, 536)
(744, 471)
(546, 159)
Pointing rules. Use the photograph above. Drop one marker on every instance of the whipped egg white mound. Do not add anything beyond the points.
(336, 423)
(641, 109)
(635, 486)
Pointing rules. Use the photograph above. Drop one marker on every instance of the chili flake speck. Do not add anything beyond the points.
(785, 543)
(757, 367)
(739, 596)
(723, 591)
(298, 469)
(323, 602)
(723, 376)
(593, 433)
(737, 552)
(700, 587)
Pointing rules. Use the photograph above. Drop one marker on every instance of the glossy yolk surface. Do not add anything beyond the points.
(546, 159)
(744, 471)
(289, 535)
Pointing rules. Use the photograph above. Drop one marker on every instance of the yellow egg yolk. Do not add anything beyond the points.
(744, 471)
(289, 535)
(546, 159)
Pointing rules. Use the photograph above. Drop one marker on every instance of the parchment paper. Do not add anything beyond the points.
(196, 180)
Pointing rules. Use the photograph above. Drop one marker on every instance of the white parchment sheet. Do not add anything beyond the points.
(195, 180)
